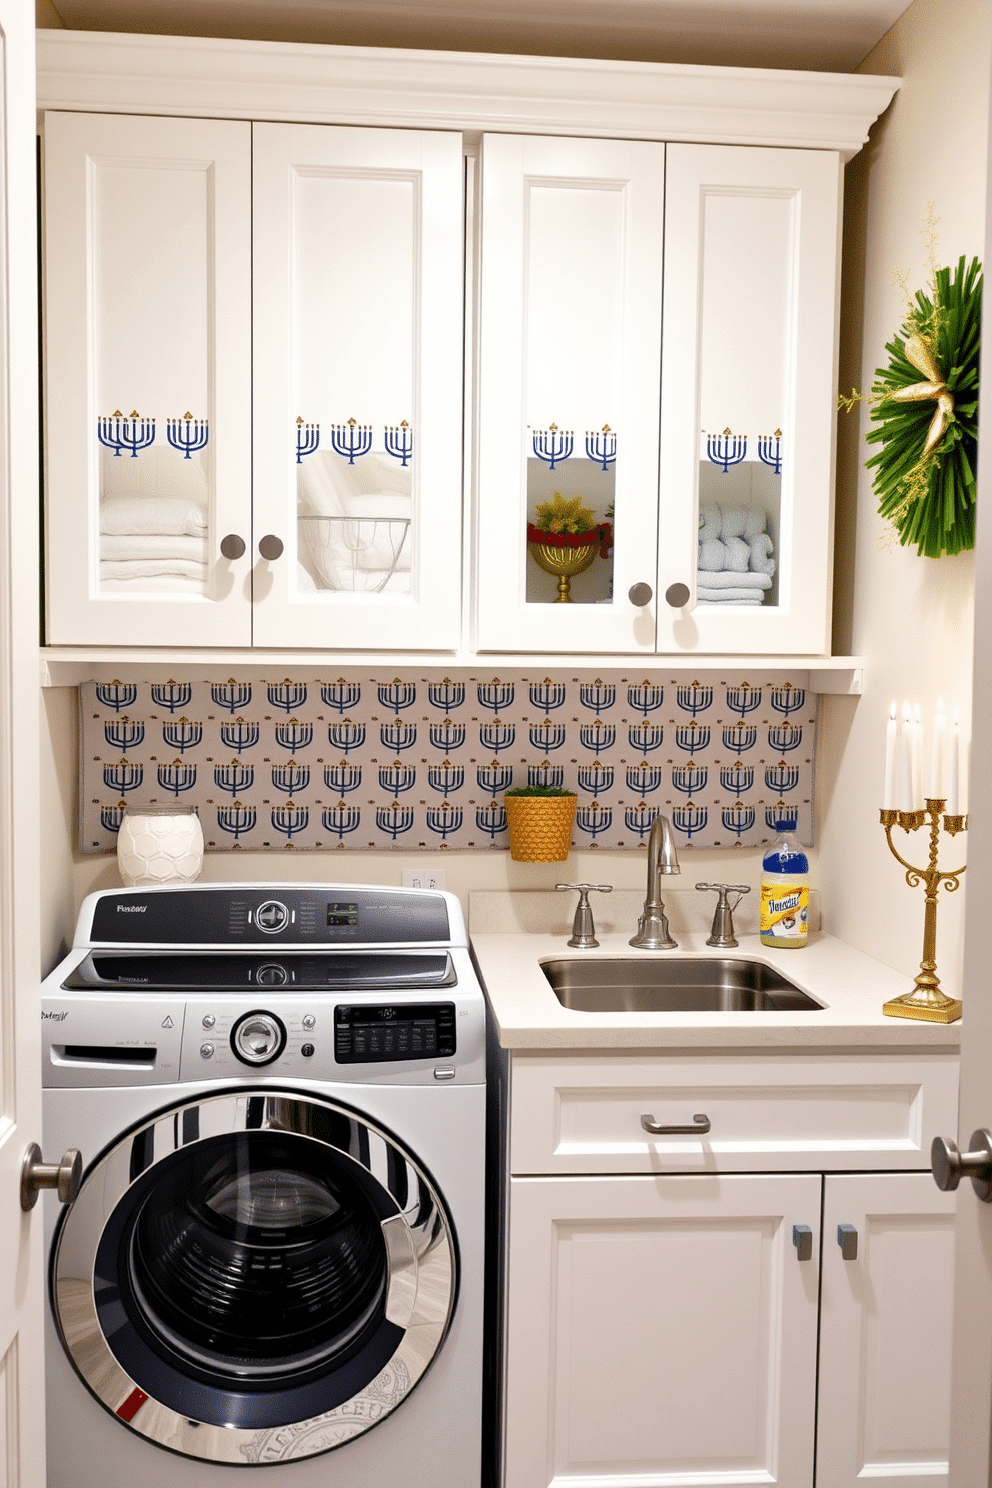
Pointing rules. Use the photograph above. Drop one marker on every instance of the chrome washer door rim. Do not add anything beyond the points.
(421, 1264)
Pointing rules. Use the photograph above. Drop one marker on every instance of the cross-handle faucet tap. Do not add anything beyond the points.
(652, 925)
(722, 933)
(583, 929)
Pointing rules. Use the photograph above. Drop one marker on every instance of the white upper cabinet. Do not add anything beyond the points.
(358, 314)
(148, 380)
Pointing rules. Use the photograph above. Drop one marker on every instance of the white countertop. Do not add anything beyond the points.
(512, 933)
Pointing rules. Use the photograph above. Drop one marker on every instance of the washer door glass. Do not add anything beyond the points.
(256, 1261)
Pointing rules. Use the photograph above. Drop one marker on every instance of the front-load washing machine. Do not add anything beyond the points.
(275, 1257)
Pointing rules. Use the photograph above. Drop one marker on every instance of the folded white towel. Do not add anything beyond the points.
(164, 584)
(153, 545)
(152, 568)
(712, 555)
(709, 521)
(738, 554)
(133, 515)
(760, 559)
(729, 596)
(342, 576)
(735, 580)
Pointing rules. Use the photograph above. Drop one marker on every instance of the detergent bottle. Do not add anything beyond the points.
(784, 917)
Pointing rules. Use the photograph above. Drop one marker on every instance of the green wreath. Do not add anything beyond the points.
(925, 468)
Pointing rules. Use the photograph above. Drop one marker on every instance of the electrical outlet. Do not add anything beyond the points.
(423, 878)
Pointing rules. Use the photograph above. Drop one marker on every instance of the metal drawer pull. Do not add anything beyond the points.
(802, 1239)
(699, 1125)
(847, 1239)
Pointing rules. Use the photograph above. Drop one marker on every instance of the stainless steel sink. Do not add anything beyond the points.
(674, 984)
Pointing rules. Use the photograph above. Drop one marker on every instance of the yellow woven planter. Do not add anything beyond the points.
(540, 827)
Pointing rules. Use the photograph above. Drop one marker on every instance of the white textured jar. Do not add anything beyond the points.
(159, 844)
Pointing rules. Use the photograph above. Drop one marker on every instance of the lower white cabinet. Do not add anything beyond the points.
(685, 1325)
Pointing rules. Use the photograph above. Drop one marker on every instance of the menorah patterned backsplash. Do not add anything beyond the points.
(416, 762)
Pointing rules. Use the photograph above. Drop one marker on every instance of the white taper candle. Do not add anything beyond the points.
(891, 738)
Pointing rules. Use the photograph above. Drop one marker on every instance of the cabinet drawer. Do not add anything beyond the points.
(583, 1115)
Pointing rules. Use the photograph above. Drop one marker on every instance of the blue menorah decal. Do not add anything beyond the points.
(119, 433)
(694, 699)
(491, 818)
(293, 735)
(597, 695)
(124, 733)
(397, 777)
(307, 439)
(239, 735)
(494, 777)
(597, 736)
(689, 820)
(594, 819)
(547, 735)
(446, 695)
(447, 735)
(177, 777)
(351, 439)
(123, 777)
(111, 818)
(496, 695)
(740, 737)
(787, 699)
(782, 818)
(187, 433)
(645, 736)
(398, 441)
(340, 694)
(602, 446)
(290, 819)
(230, 695)
(234, 777)
(644, 777)
(737, 778)
(738, 819)
(116, 695)
(782, 777)
(639, 818)
(690, 779)
(743, 699)
(646, 698)
(286, 695)
(553, 445)
(785, 737)
(726, 449)
(394, 820)
(496, 735)
(346, 735)
(692, 736)
(182, 734)
(446, 777)
(341, 819)
(172, 695)
(444, 819)
(235, 820)
(771, 454)
(397, 735)
(291, 778)
(397, 694)
(547, 695)
(546, 774)
(596, 777)
(342, 777)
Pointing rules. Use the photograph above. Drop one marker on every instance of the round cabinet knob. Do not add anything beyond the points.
(950, 1166)
(677, 595)
(64, 1176)
(232, 546)
(640, 595)
(270, 547)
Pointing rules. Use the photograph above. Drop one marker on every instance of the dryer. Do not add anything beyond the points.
(276, 1252)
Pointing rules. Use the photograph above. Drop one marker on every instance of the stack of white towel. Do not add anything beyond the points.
(354, 528)
(735, 555)
(153, 524)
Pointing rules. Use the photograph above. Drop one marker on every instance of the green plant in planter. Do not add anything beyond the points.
(538, 790)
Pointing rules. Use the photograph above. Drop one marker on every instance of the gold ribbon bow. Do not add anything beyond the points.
(922, 359)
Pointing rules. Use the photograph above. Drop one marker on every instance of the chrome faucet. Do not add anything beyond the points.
(652, 925)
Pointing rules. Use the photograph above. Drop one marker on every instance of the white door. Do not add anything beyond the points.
(22, 1435)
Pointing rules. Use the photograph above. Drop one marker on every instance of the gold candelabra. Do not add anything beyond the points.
(926, 1001)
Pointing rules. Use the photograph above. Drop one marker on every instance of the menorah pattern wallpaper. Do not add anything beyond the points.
(419, 762)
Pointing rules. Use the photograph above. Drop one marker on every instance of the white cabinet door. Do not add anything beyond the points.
(885, 1333)
(570, 333)
(148, 380)
(660, 1330)
(358, 315)
(748, 398)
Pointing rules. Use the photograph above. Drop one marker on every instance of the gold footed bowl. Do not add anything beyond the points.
(564, 562)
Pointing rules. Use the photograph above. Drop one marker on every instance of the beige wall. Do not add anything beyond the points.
(911, 617)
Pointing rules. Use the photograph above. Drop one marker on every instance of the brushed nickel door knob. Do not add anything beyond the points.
(270, 547)
(232, 546)
(950, 1166)
(63, 1176)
